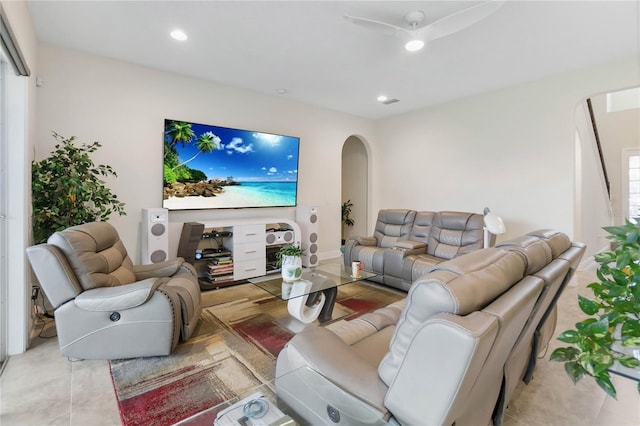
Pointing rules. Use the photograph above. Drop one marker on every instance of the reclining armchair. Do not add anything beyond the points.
(108, 308)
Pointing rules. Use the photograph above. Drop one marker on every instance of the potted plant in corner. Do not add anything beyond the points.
(346, 217)
(67, 189)
(289, 258)
(613, 326)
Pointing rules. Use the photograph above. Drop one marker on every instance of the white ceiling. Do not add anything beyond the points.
(320, 58)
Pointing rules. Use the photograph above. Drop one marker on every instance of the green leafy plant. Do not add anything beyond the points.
(288, 250)
(614, 313)
(346, 213)
(67, 189)
(346, 216)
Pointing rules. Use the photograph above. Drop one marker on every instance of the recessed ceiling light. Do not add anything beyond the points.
(382, 98)
(414, 45)
(178, 35)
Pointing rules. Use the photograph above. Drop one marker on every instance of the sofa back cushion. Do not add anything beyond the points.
(393, 225)
(535, 252)
(455, 233)
(460, 286)
(96, 255)
(422, 224)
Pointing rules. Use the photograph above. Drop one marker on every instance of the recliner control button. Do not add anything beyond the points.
(333, 413)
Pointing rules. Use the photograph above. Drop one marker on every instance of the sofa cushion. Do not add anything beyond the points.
(535, 252)
(393, 225)
(373, 348)
(558, 241)
(455, 233)
(96, 255)
(422, 225)
(417, 265)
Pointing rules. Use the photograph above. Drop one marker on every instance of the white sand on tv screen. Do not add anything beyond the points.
(232, 197)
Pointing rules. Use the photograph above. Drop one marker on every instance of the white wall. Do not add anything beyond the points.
(511, 150)
(124, 106)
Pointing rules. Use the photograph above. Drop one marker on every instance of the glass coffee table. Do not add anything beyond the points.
(313, 296)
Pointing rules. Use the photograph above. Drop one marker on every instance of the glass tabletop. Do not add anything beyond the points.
(314, 279)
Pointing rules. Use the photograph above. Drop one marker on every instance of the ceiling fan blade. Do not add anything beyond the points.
(459, 20)
(374, 25)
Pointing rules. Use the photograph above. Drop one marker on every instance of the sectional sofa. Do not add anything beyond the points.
(452, 352)
(407, 243)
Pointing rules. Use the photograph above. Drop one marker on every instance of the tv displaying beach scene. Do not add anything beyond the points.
(212, 167)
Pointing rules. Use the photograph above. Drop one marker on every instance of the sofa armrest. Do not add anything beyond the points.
(161, 269)
(463, 347)
(416, 247)
(394, 257)
(362, 241)
(351, 243)
(324, 352)
(106, 299)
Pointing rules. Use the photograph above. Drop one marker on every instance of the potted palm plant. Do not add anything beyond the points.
(289, 258)
(612, 327)
(67, 189)
(346, 217)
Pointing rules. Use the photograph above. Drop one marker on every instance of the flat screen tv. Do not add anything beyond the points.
(212, 167)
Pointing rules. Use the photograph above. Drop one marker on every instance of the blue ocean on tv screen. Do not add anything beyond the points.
(263, 194)
(217, 167)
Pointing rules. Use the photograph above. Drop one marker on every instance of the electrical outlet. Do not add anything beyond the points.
(34, 292)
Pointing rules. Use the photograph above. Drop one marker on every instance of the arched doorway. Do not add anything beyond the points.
(355, 175)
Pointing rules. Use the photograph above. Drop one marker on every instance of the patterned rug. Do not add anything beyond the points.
(233, 349)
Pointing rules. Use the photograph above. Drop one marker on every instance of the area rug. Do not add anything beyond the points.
(233, 350)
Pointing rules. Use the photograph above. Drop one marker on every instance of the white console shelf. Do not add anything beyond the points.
(246, 240)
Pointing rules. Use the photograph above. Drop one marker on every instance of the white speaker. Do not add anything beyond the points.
(307, 219)
(155, 235)
(279, 237)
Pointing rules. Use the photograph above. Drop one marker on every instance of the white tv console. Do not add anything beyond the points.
(242, 243)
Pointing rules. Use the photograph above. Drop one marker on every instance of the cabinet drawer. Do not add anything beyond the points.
(248, 251)
(248, 233)
(249, 268)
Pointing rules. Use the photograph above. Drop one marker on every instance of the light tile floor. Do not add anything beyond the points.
(40, 387)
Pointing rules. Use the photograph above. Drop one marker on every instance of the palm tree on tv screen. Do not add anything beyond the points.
(206, 142)
(178, 131)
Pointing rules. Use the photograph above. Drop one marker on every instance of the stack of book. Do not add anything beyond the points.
(220, 269)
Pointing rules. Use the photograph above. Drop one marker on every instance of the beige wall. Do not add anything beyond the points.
(511, 150)
(124, 106)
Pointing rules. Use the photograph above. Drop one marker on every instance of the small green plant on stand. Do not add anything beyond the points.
(67, 189)
(614, 313)
(289, 258)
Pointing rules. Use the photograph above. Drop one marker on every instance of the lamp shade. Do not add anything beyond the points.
(494, 224)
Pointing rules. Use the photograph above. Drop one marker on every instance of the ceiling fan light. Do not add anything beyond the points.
(414, 45)
(178, 35)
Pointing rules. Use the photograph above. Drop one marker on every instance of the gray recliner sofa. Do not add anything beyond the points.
(407, 243)
(108, 308)
(450, 353)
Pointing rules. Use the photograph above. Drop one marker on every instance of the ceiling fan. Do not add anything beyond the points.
(416, 34)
